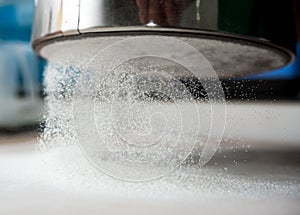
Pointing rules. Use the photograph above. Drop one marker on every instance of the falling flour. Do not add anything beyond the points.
(254, 179)
(138, 134)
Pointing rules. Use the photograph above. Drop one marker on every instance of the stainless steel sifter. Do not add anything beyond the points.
(238, 38)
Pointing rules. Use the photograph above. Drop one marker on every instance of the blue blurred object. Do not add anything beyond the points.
(21, 71)
(20, 86)
(16, 20)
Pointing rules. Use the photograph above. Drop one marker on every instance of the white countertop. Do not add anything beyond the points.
(263, 178)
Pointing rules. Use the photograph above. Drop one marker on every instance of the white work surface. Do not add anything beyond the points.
(258, 172)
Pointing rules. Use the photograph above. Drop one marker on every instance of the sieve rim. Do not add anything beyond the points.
(40, 43)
